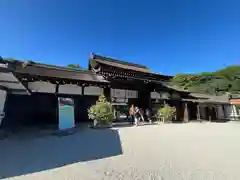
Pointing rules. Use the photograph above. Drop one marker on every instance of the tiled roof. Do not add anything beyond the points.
(204, 98)
(119, 64)
(126, 65)
(46, 70)
(235, 96)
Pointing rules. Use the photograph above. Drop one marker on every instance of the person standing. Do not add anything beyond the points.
(141, 112)
(137, 116)
(131, 113)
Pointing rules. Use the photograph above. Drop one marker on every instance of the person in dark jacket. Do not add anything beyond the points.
(141, 111)
(149, 115)
(137, 115)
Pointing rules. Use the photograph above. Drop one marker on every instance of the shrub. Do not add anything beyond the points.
(101, 112)
(166, 113)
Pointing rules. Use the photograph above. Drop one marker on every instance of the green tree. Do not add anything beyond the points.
(165, 113)
(77, 66)
(221, 81)
(101, 112)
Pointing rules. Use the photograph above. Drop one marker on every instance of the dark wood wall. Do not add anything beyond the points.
(82, 103)
(41, 109)
(37, 109)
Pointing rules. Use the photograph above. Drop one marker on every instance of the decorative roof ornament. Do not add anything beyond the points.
(92, 55)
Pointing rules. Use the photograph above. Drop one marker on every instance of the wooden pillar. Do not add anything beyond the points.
(224, 111)
(198, 113)
(107, 93)
(57, 88)
(186, 117)
(149, 101)
(210, 109)
(83, 87)
(216, 112)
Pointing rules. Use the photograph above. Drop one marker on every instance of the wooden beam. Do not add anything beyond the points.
(83, 87)
(56, 88)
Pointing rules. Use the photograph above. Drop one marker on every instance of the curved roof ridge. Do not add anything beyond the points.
(95, 56)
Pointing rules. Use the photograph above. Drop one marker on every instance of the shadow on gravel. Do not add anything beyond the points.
(21, 156)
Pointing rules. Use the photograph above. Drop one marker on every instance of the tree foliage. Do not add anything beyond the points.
(219, 82)
(102, 111)
(77, 66)
(166, 112)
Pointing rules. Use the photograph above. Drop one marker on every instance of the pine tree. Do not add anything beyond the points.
(102, 99)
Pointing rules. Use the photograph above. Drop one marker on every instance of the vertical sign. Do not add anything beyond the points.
(65, 113)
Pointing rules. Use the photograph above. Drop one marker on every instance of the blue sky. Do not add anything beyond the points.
(169, 36)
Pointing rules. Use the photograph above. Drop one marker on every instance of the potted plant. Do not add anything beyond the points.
(101, 113)
(165, 113)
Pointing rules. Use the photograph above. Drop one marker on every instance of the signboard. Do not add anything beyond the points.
(119, 100)
(65, 113)
(132, 94)
(160, 95)
(122, 93)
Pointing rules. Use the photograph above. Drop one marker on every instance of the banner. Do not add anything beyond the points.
(65, 113)
(123, 93)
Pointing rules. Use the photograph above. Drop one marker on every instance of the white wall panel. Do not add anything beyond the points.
(70, 89)
(93, 91)
(41, 86)
(155, 95)
(220, 112)
(119, 93)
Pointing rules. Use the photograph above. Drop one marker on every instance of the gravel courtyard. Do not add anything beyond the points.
(190, 151)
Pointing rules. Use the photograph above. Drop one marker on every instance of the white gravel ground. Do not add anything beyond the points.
(190, 151)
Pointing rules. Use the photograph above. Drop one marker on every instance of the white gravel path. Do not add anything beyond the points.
(192, 151)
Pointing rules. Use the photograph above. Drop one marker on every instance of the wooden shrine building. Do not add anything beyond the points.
(29, 91)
